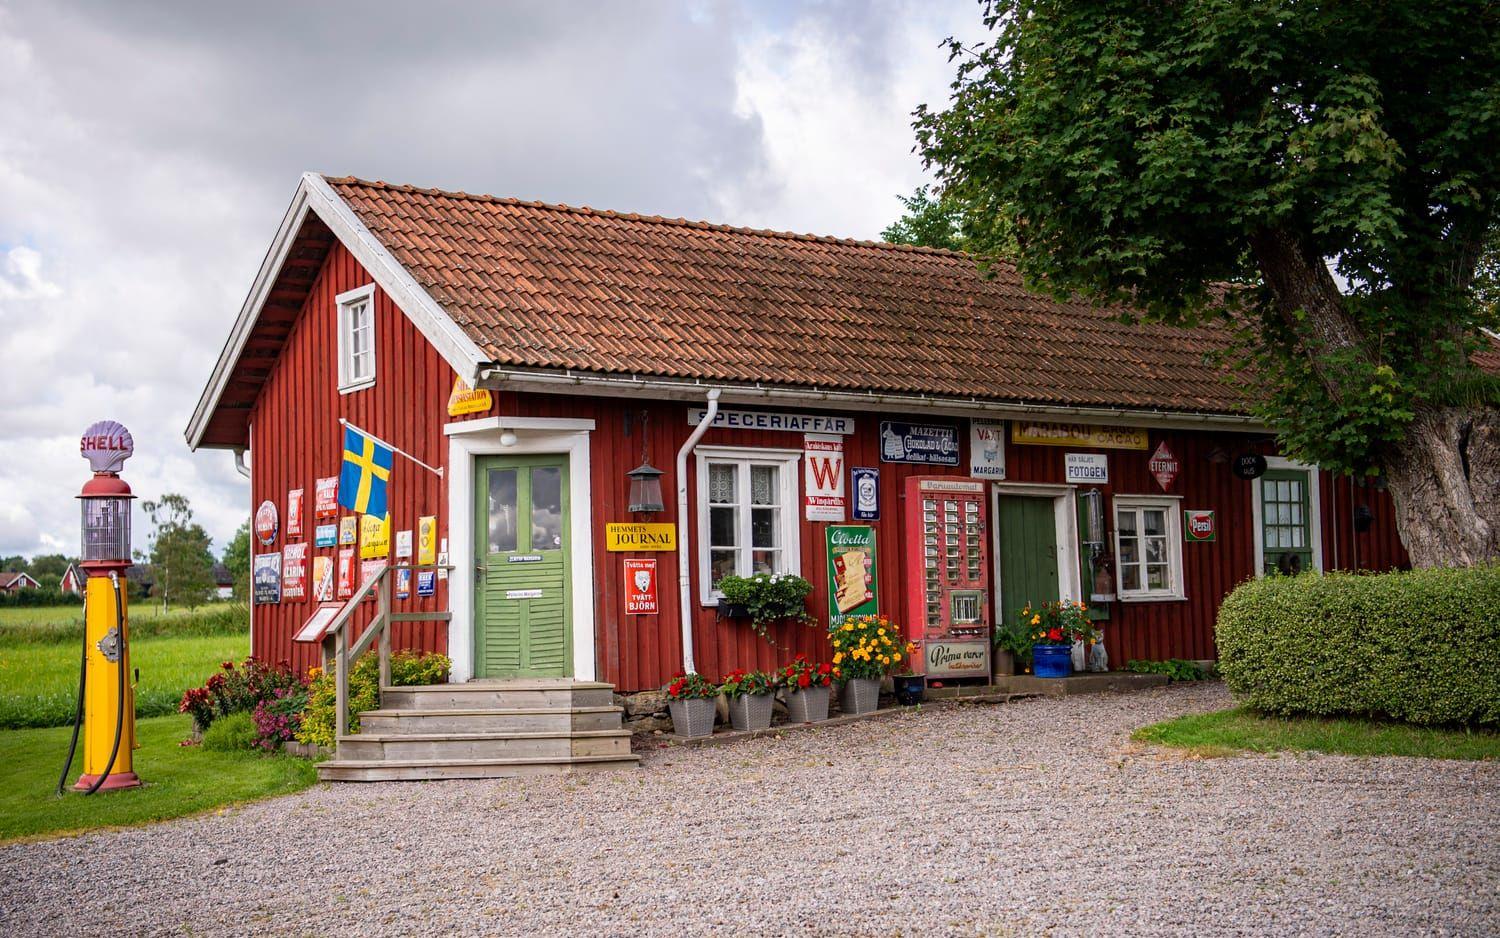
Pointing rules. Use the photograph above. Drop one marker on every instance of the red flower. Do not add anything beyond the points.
(1055, 635)
(804, 681)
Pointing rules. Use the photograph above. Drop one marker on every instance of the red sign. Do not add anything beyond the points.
(326, 495)
(294, 571)
(106, 445)
(1164, 466)
(266, 522)
(640, 587)
(346, 572)
(294, 513)
(1201, 526)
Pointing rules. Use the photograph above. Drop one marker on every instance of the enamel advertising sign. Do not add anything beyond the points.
(348, 529)
(922, 443)
(866, 493)
(1164, 467)
(1200, 525)
(852, 586)
(640, 535)
(823, 477)
(294, 571)
(322, 575)
(267, 579)
(374, 537)
(1086, 468)
(346, 572)
(294, 513)
(759, 420)
(987, 449)
(266, 522)
(426, 545)
(640, 587)
(325, 535)
(1037, 433)
(466, 400)
(326, 497)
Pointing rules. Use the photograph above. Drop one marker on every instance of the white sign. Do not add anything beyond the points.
(757, 420)
(106, 445)
(403, 543)
(987, 449)
(823, 477)
(523, 594)
(1086, 467)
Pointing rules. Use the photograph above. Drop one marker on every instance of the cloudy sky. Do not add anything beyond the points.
(149, 149)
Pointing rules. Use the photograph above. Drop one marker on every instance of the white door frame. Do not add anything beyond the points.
(468, 439)
(1065, 515)
(1314, 508)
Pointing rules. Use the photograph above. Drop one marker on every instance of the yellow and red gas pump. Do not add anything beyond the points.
(106, 699)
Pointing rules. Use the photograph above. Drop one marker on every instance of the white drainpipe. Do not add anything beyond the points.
(684, 570)
(239, 462)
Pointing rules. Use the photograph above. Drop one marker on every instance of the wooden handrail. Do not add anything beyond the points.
(379, 627)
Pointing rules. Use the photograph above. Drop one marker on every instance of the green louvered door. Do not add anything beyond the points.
(521, 601)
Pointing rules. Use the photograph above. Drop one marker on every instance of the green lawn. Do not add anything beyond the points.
(26, 624)
(1227, 732)
(177, 780)
(39, 681)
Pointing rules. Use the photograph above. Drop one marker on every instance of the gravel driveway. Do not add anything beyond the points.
(1034, 817)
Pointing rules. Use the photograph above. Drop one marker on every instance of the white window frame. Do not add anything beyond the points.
(1171, 507)
(786, 460)
(347, 303)
(1314, 509)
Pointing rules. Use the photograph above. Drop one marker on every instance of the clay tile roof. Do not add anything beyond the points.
(554, 287)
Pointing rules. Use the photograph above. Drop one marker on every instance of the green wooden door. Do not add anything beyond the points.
(1028, 553)
(521, 603)
(1285, 521)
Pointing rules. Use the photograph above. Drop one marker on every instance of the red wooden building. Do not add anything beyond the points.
(837, 372)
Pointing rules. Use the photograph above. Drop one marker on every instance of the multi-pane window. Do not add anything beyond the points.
(1148, 548)
(747, 519)
(1286, 521)
(356, 338)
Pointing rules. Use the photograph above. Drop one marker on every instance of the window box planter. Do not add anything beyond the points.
(694, 717)
(750, 711)
(807, 705)
(860, 695)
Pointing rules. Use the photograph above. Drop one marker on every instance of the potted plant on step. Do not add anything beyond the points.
(1055, 626)
(1013, 646)
(765, 599)
(750, 694)
(690, 698)
(805, 686)
(865, 648)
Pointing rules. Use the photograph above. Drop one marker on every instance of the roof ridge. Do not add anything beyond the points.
(702, 225)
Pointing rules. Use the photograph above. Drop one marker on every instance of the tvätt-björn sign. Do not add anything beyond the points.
(930, 444)
(757, 420)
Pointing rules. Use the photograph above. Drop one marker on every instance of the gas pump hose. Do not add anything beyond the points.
(114, 752)
(83, 666)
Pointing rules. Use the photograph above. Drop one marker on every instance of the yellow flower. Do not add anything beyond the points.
(896, 656)
(880, 631)
(838, 657)
(1036, 620)
(848, 626)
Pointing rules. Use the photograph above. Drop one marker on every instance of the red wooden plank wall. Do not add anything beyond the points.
(295, 439)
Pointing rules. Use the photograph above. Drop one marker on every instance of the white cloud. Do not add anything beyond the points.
(148, 150)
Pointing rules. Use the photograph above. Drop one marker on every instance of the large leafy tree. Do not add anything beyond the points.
(237, 559)
(1334, 163)
(181, 562)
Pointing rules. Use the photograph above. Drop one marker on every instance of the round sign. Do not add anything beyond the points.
(106, 445)
(1249, 466)
(266, 522)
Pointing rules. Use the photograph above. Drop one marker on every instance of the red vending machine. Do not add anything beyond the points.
(948, 575)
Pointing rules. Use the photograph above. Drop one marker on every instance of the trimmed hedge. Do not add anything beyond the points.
(1422, 646)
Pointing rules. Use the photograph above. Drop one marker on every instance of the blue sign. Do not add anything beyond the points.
(865, 484)
(930, 444)
(326, 535)
(426, 582)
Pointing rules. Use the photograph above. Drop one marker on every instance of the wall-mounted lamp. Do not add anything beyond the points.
(645, 488)
(508, 438)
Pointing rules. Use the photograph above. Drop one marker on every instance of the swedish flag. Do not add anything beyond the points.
(365, 473)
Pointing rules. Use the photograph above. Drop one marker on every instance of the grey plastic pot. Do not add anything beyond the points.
(750, 711)
(860, 695)
(693, 717)
(808, 705)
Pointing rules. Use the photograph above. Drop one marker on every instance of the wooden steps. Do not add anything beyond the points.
(485, 729)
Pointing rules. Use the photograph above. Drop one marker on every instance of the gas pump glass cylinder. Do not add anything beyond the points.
(106, 528)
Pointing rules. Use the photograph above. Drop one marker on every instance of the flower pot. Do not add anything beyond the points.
(807, 705)
(910, 689)
(1004, 663)
(693, 717)
(1051, 660)
(750, 711)
(860, 695)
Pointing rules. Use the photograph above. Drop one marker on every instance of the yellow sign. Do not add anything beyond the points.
(348, 529)
(427, 540)
(1077, 434)
(466, 400)
(374, 536)
(641, 536)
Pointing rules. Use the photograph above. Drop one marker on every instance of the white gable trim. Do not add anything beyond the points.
(316, 196)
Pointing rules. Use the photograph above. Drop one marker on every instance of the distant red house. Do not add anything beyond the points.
(904, 432)
(15, 582)
(72, 581)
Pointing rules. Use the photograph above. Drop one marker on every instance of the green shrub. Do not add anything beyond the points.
(408, 669)
(1176, 669)
(236, 731)
(1422, 646)
(231, 619)
(42, 596)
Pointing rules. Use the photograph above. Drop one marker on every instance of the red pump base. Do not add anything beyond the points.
(115, 781)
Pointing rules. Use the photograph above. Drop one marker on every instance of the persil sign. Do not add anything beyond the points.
(106, 445)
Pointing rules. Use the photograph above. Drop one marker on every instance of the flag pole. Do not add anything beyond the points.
(393, 448)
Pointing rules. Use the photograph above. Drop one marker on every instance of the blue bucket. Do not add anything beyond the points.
(1051, 660)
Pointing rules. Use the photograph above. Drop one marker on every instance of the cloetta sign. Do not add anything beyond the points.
(106, 445)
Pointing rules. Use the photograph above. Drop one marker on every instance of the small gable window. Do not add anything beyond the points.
(356, 339)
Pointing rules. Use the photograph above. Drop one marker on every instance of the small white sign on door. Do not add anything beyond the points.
(523, 594)
(1087, 467)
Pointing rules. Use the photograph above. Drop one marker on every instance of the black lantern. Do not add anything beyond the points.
(645, 488)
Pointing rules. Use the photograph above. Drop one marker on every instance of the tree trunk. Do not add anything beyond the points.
(1445, 477)
(1445, 480)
